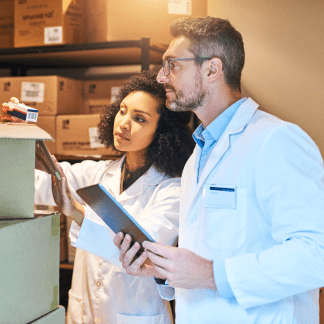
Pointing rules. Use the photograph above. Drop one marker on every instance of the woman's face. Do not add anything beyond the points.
(136, 122)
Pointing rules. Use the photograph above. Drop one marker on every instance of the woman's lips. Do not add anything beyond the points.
(122, 137)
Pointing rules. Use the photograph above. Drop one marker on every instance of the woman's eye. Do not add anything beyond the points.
(122, 111)
(139, 119)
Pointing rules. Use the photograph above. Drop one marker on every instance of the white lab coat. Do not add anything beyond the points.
(273, 241)
(102, 292)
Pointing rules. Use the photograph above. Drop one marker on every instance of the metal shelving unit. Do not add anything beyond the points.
(127, 52)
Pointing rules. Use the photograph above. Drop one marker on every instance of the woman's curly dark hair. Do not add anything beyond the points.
(172, 144)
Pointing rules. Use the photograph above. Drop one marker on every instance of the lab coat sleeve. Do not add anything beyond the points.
(290, 192)
(221, 280)
(78, 175)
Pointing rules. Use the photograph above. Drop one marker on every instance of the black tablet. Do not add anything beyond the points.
(113, 213)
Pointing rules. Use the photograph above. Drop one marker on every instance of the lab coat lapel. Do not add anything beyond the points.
(191, 182)
(189, 187)
(151, 177)
(114, 186)
(236, 125)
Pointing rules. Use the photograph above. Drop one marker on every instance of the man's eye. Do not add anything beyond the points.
(172, 65)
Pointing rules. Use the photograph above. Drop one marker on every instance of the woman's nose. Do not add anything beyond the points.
(124, 123)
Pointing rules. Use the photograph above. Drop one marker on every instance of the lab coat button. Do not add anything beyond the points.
(98, 283)
(97, 320)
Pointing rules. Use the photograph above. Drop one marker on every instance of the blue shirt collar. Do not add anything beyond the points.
(215, 129)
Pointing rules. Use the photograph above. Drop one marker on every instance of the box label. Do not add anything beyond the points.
(53, 35)
(179, 7)
(94, 138)
(32, 91)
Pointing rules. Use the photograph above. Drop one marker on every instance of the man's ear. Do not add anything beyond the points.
(215, 69)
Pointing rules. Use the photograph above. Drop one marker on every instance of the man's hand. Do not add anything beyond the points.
(142, 266)
(181, 267)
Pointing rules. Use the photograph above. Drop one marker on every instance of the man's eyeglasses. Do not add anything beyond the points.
(166, 62)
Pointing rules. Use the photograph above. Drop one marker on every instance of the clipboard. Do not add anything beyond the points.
(113, 213)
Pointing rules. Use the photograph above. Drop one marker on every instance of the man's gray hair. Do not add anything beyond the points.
(214, 37)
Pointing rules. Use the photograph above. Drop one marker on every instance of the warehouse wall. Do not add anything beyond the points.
(284, 42)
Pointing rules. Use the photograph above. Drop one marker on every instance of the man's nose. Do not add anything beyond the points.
(161, 77)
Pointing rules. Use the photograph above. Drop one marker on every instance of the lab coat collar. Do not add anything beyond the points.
(150, 177)
(236, 125)
(115, 172)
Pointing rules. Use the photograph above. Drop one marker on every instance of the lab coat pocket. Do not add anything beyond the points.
(225, 228)
(131, 319)
(75, 310)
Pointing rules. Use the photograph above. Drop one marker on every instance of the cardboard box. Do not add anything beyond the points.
(40, 22)
(29, 268)
(99, 94)
(6, 23)
(102, 88)
(56, 316)
(46, 209)
(95, 106)
(48, 124)
(77, 135)
(109, 20)
(17, 164)
(50, 95)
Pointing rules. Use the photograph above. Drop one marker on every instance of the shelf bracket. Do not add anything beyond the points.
(145, 56)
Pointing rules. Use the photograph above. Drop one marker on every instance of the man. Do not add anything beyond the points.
(251, 236)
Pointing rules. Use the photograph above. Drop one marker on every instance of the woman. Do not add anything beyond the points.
(145, 181)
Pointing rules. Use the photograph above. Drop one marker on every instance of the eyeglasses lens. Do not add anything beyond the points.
(166, 67)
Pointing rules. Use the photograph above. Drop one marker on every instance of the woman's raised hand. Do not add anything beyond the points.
(63, 197)
(5, 117)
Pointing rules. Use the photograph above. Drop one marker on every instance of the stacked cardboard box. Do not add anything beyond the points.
(29, 251)
(56, 316)
(17, 163)
(63, 229)
(77, 135)
(51, 95)
(99, 94)
(109, 20)
(27, 23)
(69, 110)
(40, 22)
(6, 23)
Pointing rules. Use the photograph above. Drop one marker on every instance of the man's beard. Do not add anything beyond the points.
(191, 102)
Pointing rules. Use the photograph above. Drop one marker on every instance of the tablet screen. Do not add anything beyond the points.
(113, 213)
